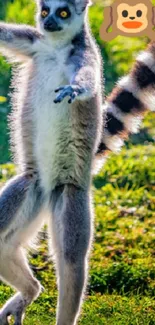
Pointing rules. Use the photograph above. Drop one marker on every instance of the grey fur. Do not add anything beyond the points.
(19, 38)
(54, 142)
(71, 233)
(34, 193)
(11, 198)
(72, 203)
(18, 225)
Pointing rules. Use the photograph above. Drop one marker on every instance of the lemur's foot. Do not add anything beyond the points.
(3, 320)
(71, 91)
(14, 307)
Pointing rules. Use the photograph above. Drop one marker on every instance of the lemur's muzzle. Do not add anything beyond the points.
(51, 25)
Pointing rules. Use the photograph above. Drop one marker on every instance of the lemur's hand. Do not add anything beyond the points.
(71, 91)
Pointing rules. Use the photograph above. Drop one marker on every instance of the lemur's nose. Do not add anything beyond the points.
(51, 25)
(132, 18)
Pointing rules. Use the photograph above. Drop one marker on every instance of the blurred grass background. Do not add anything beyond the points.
(121, 286)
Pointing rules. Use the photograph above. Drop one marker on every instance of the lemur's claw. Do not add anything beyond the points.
(71, 91)
(58, 89)
(57, 101)
(72, 97)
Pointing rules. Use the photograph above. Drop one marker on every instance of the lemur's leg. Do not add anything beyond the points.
(22, 40)
(15, 270)
(12, 196)
(20, 203)
(71, 232)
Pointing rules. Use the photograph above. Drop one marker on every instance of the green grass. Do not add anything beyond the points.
(121, 286)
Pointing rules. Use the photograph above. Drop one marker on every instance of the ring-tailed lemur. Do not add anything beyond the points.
(56, 126)
(55, 138)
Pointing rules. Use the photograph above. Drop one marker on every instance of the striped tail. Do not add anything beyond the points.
(124, 109)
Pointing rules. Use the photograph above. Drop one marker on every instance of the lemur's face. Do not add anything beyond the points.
(58, 15)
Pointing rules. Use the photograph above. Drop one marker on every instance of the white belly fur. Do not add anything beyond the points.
(54, 146)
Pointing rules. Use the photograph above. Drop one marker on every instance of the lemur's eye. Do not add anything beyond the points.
(63, 13)
(125, 13)
(44, 13)
(139, 13)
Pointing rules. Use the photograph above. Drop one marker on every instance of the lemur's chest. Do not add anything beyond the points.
(51, 71)
(50, 74)
(54, 144)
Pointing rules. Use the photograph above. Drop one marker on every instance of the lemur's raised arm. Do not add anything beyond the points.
(19, 39)
(130, 99)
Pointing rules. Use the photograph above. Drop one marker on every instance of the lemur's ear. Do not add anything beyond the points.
(81, 5)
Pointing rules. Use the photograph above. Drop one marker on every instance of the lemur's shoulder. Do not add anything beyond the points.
(85, 48)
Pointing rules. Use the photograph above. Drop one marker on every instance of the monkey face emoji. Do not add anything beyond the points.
(132, 19)
(128, 18)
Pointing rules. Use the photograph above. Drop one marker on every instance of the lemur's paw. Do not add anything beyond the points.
(71, 91)
(14, 307)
